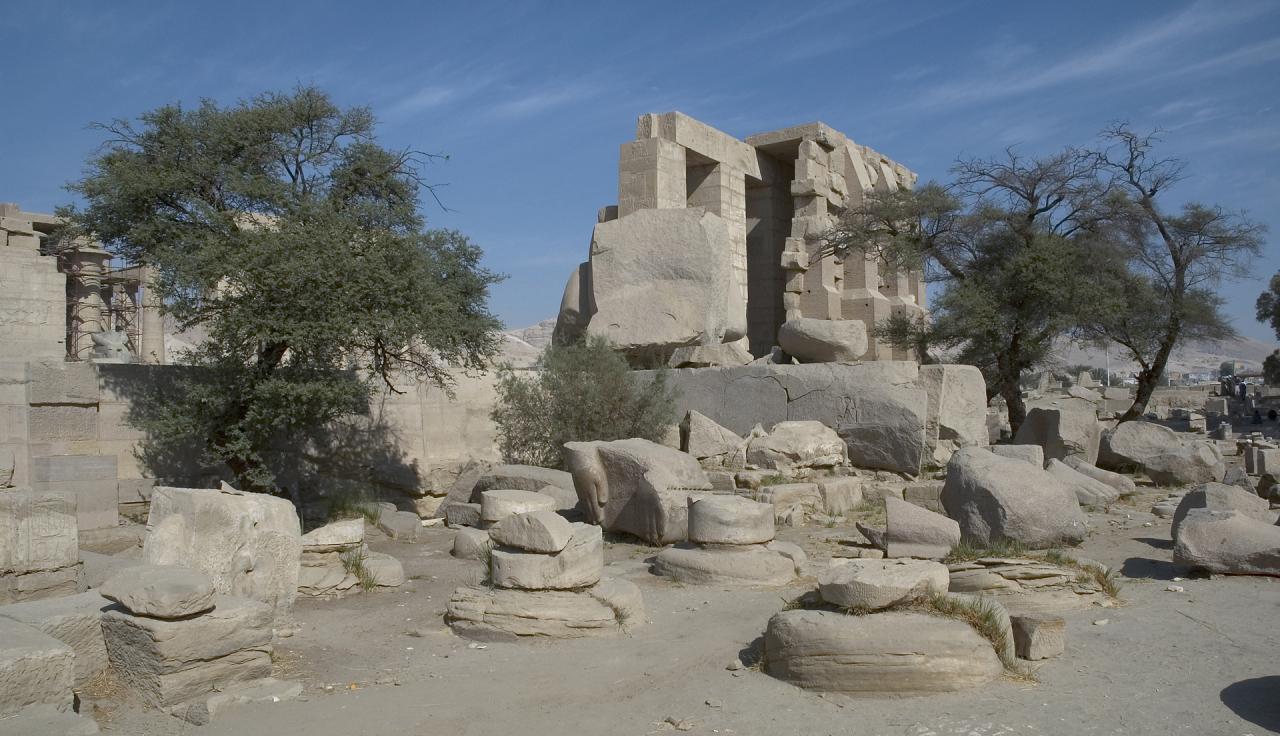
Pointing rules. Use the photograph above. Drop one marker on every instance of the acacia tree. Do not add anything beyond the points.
(1166, 266)
(1008, 241)
(1268, 305)
(279, 227)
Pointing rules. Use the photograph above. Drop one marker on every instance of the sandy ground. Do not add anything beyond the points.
(1205, 661)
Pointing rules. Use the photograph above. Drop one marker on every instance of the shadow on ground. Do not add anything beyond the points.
(1256, 700)
(1145, 567)
(1155, 542)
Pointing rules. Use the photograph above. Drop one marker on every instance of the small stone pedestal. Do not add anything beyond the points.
(731, 542)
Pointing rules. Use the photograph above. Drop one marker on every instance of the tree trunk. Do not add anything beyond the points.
(1011, 390)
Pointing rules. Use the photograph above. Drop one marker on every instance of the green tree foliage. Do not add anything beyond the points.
(582, 391)
(1271, 368)
(1162, 267)
(1269, 305)
(281, 229)
(1009, 244)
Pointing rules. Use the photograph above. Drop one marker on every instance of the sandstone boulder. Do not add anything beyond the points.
(957, 409)
(735, 564)
(790, 446)
(1089, 492)
(1166, 457)
(1221, 497)
(996, 498)
(39, 545)
(823, 340)
(912, 531)
(893, 653)
(1026, 585)
(1062, 427)
(1123, 484)
(534, 531)
(248, 544)
(636, 486)
(711, 444)
(160, 591)
(497, 614)
(334, 536)
(870, 585)
(577, 565)
(1227, 542)
(793, 503)
(72, 620)
(499, 503)
(730, 520)
(1033, 454)
(472, 544)
(709, 356)
(549, 482)
(35, 669)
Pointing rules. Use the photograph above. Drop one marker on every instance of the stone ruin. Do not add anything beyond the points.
(707, 259)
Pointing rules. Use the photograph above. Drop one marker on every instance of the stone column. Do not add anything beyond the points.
(152, 343)
(88, 264)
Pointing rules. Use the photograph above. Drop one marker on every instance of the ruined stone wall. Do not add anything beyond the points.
(65, 427)
(33, 293)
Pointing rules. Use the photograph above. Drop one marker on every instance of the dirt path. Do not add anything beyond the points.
(1203, 662)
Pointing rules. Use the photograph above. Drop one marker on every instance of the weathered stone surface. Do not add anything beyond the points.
(160, 591)
(1227, 542)
(334, 536)
(877, 408)
(912, 531)
(730, 520)
(661, 279)
(996, 498)
(871, 585)
(823, 340)
(1089, 492)
(499, 503)
(1221, 497)
(793, 445)
(793, 503)
(1033, 454)
(711, 444)
(385, 570)
(49, 720)
(462, 514)
(248, 544)
(404, 526)
(893, 653)
(472, 544)
(529, 478)
(726, 354)
(1162, 454)
(37, 532)
(533, 531)
(323, 575)
(1062, 427)
(957, 409)
(1039, 636)
(636, 486)
(173, 662)
(578, 565)
(734, 564)
(840, 495)
(267, 690)
(926, 495)
(485, 613)
(72, 620)
(35, 669)
(1123, 484)
(1025, 585)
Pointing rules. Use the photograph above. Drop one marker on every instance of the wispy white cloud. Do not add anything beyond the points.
(540, 100)
(1251, 55)
(1138, 50)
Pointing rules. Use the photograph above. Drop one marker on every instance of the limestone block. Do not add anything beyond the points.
(462, 514)
(522, 478)
(499, 503)
(745, 564)
(1039, 636)
(334, 536)
(1026, 585)
(1062, 427)
(160, 591)
(995, 498)
(891, 653)
(927, 495)
(730, 520)
(663, 279)
(578, 565)
(957, 409)
(704, 356)
(403, 526)
(710, 443)
(35, 669)
(267, 690)
(481, 612)
(72, 620)
(38, 532)
(840, 495)
(797, 444)
(385, 570)
(1162, 453)
(169, 662)
(472, 544)
(1123, 484)
(870, 585)
(60, 382)
(1089, 492)
(90, 478)
(1220, 497)
(545, 532)
(912, 531)
(636, 486)
(248, 544)
(793, 503)
(823, 340)
(1227, 542)
(61, 423)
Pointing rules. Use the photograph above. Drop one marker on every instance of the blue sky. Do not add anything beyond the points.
(531, 100)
